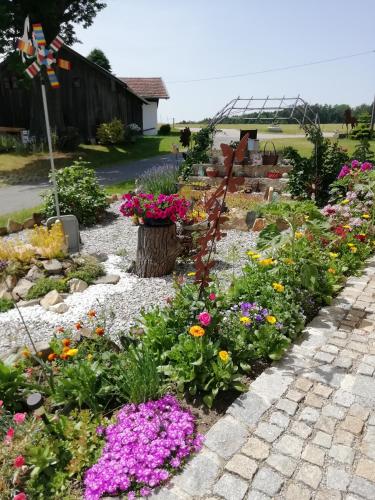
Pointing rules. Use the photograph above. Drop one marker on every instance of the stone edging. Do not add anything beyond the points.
(324, 354)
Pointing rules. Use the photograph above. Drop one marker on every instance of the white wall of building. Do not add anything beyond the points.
(150, 118)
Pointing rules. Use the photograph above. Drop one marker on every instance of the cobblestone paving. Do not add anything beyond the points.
(306, 428)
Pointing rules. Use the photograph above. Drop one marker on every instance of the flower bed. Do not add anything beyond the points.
(198, 347)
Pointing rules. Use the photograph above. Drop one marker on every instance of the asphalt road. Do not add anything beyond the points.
(20, 196)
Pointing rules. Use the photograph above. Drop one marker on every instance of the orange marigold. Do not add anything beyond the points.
(52, 356)
(197, 331)
(99, 331)
(91, 313)
(66, 342)
(78, 326)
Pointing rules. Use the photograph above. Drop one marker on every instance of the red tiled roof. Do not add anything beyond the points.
(147, 87)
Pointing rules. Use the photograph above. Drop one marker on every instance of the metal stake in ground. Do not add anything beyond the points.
(49, 140)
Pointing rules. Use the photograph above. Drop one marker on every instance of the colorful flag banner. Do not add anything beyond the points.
(64, 64)
(33, 69)
(52, 78)
(39, 35)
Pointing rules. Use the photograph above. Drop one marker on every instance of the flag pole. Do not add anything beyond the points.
(49, 140)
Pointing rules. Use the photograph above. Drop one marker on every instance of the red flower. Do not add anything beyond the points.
(9, 435)
(212, 296)
(360, 237)
(19, 461)
(340, 231)
(20, 496)
(78, 326)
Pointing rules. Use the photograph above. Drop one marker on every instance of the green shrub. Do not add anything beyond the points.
(88, 271)
(198, 153)
(111, 132)
(159, 180)
(164, 129)
(362, 130)
(79, 194)
(69, 140)
(44, 285)
(5, 305)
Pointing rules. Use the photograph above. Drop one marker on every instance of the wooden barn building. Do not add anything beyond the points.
(88, 96)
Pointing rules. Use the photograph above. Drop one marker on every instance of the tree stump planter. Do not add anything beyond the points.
(157, 250)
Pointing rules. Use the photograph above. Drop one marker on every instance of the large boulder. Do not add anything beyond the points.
(3, 231)
(11, 281)
(237, 220)
(52, 298)
(108, 279)
(28, 223)
(52, 266)
(21, 289)
(77, 285)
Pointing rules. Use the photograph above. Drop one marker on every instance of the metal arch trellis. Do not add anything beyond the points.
(299, 110)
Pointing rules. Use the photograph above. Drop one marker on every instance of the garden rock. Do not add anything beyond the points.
(77, 285)
(34, 273)
(11, 282)
(52, 298)
(4, 292)
(108, 279)
(28, 223)
(21, 289)
(3, 231)
(52, 266)
(259, 224)
(13, 226)
(237, 220)
(43, 349)
(59, 308)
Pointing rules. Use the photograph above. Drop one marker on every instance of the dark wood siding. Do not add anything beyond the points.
(87, 96)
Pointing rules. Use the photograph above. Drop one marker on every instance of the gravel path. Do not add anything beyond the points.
(117, 239)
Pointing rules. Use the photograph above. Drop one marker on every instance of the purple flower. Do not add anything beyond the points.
(355, 164)
(278, 325)
(345, 170)
(100, 430)
(259, 317)
(146, 440)
(366, 166)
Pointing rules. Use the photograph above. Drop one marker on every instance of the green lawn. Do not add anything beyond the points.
(287, 128)
(304, 147)
(16, 168)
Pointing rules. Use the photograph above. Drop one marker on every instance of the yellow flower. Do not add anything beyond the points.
(298, 235)
(331, 270)
(333, 255)
(224, 356)
(365, 216)
(278, 287)
(71, 352)
(307, 217)
(25, 353)
(191, 274)
(89, 357)
(266, 262)
(250, 253)
(289, 261)
(353, 249)
(256, 256)
(197, 331)
(245, 320)
(351, 245)
(345, 202)
(271, 320)
(346, 226)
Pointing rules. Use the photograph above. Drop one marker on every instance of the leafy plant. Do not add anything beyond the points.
(202, 141)
(111, 132)
(12, 385)
(88, 270)
(363, 151)
(185, 137)
(134, 375)
(6, 305)
(79, 194)
(44, 285)
(69, 139)
(362, 130)
(164, 129)
(162, 179)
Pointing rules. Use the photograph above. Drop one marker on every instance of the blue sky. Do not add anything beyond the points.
(184, 40)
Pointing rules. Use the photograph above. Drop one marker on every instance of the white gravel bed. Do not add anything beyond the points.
(117, 239)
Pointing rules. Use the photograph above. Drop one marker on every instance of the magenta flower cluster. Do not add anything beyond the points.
(149, 206)
(354, 167)
(148, 441)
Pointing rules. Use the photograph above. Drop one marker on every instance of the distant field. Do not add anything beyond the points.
(287, 128)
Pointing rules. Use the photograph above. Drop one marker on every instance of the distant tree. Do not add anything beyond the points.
(57, 17)
(98, 57)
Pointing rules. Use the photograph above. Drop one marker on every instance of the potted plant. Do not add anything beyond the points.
(160, 210)
(212, 171)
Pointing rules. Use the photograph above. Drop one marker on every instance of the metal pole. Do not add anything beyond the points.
(49, 140)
